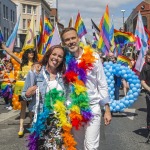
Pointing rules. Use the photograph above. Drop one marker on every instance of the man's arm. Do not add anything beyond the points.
(107, 115)
(145, 86)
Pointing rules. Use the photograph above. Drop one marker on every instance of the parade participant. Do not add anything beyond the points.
(8, 80)
(48, 80)
(117, 79)
(89, 89)
(145, 81)
(28, 58)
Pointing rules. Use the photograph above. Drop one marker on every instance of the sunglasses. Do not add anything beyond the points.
(30, 51)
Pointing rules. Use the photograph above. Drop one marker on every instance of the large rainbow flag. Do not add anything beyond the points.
(123, 37)
(80, 27)
(48, 28)
(106, 28)
(104, 40)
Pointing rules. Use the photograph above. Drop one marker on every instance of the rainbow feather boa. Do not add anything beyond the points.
(76, 75)
(60, 113)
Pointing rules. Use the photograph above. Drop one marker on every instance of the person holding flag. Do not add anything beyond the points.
(29, 57)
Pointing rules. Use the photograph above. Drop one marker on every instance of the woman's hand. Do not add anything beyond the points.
(31, 91)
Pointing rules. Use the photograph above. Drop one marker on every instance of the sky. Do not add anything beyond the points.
(94, 9)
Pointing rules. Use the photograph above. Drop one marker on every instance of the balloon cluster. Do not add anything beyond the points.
(110, 70)
(16, 65)
(15, 102)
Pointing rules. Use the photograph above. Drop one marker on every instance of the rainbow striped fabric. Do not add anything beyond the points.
(48, 28)
(124, 60)
(104, 40)
(123, 37)
(79, 26)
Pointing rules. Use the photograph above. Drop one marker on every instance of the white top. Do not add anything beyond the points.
(96, 83)
(53, 84)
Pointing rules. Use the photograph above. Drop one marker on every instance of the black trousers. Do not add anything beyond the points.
(148, 109)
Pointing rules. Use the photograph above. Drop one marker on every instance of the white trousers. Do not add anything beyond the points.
(87, 137)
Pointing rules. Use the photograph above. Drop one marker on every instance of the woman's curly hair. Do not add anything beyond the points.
(25, 57)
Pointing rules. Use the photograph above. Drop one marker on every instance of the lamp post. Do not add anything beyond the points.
(123, 11)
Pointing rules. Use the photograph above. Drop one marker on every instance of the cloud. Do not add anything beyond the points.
(94, 9)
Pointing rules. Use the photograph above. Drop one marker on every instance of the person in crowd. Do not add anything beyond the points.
(117, 79)
(145, 81)
(88, 134)
(48, 76)
(28, 58)
(8, 79)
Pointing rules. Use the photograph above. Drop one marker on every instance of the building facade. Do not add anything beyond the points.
(144, 8)
(7, 17)
(27, 8)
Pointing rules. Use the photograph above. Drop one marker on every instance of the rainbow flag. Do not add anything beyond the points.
(80, 27)
(1, 36)
(40, 38)
(123, 37)
(111, 36)
(121, 59)
(105, 31)
(148, 35)
(48, 44)
(48, 28)
(104, 40)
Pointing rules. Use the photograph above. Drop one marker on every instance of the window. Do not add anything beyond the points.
(4, 34)
(35, 23)
(34, 10)
(7, 33)
(24, 8)
(4, 11)
(11, 15)
(29, 20)
(29, 9)
(24, 23)
(144, 21)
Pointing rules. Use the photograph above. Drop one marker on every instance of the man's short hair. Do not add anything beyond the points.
(66, 30)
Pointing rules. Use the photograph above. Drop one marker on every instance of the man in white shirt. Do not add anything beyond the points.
(87, 137)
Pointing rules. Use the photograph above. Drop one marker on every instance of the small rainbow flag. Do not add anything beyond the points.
(1, 36)
(125, 61)
(123, 37)
(80, 27)
(48, 28)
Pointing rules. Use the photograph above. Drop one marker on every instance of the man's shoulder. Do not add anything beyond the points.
(146, 67)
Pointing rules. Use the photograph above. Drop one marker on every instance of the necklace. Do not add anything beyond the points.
(76, 76)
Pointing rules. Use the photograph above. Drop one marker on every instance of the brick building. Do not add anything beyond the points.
(144, 8)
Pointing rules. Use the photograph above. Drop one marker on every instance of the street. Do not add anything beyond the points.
(126, 131)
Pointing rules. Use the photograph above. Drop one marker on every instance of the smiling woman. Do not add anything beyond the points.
(47, 96)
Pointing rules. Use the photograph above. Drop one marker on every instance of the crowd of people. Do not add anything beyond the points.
(64, 92)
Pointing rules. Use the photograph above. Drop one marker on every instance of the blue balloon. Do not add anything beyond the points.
(134, 84)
